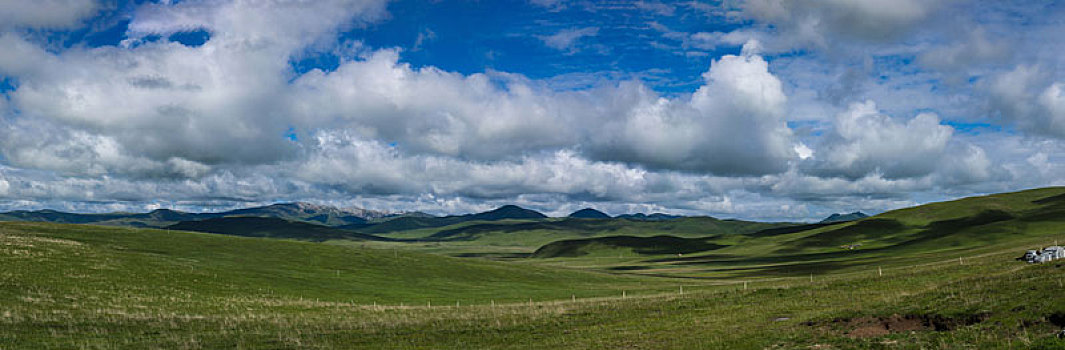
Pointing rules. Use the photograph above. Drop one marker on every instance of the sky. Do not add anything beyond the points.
(759, 109)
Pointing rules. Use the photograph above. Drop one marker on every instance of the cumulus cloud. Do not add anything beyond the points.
(78, 152)
(963, 55)
(820, 23)
(153, 123)
(734, 124)
(864, 142)
(1027, 98)
(47, 14)
(432, 111)
(162, 104)
(277, 26)
(365, 166)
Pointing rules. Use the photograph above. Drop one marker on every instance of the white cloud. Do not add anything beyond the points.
(567, 39)
(208, 125)
(433, 111)
(363, 166)
(734, 124)
(803, 151)
(1052, 101)
(656, 7)
(280, 27)
(1026, 98)
(866, 142)
(45, 13)
(154, 102)
(961, 57)
(553, 5)
(424, 37)
(813, 23)
(714, 40)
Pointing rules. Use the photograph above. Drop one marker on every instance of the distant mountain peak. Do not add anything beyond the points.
(589, 213)
(645, 217)
(508, 211)
(858, 215)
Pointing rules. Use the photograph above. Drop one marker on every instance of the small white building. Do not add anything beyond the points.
(1055, 252)
(1047, 254)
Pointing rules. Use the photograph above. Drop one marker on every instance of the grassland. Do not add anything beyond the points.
(937, 276)
(504, 239)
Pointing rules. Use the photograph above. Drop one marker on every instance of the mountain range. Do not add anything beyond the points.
(295, 211)
(307, 221)
(844, 217)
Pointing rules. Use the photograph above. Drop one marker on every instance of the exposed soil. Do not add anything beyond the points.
(870, 326)
(1057, 319)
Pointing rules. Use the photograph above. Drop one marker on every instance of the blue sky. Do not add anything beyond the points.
(757, 109)
(617, 40)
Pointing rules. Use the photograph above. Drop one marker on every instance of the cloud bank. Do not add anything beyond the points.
(765, 133)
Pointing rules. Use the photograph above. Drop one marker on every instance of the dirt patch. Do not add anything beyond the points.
(1057, 319)
(873, 326)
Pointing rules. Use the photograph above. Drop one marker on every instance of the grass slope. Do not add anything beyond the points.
(93, 287)
(407, 223)
(936, 276)
(925, 232)
(268, 227)
(510, 239)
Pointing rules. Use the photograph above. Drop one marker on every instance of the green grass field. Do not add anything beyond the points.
(936, 276)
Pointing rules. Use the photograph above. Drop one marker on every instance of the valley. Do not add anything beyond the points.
(923, 277)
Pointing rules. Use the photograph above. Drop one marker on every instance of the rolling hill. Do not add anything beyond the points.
(506, 212)
(931, 230)
(588, 213)
(940, 275)
(645, 217)
(655, 245)
(297, 211)
(269, 227)
(844, 217)
(485, 238)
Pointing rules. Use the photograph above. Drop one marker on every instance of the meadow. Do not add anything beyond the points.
(942, 275)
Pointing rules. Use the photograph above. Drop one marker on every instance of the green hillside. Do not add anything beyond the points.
(935, 276)
(96, 287)
(516, 238)
(269, 227)
(948, 229)
(415, 222)
(69, 258)
(297, 211)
